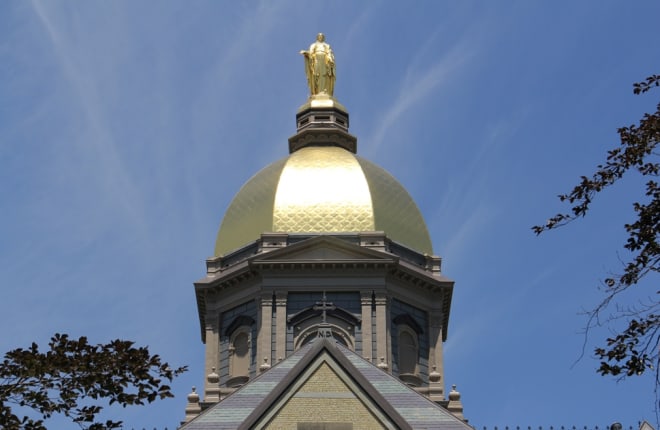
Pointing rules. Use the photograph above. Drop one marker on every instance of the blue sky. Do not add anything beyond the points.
(126, 127)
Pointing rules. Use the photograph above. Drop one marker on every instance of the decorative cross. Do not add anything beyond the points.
(324, 305)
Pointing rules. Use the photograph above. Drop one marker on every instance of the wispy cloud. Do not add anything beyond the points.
(476, 203)
(466, 232)
(357, 26)
(420, 82)
(96, 144)
(243, 50)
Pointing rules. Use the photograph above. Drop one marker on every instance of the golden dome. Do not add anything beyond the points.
(322, 189)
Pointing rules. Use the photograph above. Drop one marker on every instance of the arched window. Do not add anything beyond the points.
(240, 353)
(407, 335)
(408, 351)
(240, 348)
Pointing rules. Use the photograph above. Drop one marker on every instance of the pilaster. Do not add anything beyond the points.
(366, 299)
(436, 361)
(264, 337)
(212, 352)
(382, 331)
(280, 325)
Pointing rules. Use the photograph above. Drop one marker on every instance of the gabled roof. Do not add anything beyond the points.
(389, 401)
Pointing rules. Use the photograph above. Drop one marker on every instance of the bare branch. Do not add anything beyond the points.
(634, 349)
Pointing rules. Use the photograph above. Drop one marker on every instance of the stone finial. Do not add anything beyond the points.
(455, 406)
(436, 390)
(453, 394)
(193, 407)
(435, 376)
(213, 377)
(212, 394)
(193, 397)
(264, 366)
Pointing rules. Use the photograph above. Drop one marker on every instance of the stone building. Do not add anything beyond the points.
(324, 306)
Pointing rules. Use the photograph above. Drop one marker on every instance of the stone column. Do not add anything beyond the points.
(382, 332)
(280, 326)
(212, 360)
(367, 348)
(264, 321)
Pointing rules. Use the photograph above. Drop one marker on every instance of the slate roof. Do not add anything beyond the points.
(404, 406)
(418, 411)
(233, 410)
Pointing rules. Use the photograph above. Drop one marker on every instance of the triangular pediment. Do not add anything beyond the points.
(320, 396)
(319, 378)
(324, 248)
(320, 389)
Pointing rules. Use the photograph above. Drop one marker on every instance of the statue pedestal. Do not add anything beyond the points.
(322, 101)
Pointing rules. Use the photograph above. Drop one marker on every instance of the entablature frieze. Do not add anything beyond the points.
(316, 265)
(373, 241)
(419, 280)
(347, 262)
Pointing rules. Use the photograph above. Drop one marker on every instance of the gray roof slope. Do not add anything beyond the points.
(418, 411)
(233, 410)
(407, 408)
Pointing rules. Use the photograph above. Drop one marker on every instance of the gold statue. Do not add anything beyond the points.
(320, 67)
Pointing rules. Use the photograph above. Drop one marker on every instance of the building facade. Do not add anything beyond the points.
(324, 306)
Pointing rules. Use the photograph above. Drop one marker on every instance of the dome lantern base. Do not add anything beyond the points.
(322, 121)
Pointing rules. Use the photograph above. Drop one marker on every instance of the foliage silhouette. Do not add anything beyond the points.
(73, 377)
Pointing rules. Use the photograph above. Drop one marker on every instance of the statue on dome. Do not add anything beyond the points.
(320, 67)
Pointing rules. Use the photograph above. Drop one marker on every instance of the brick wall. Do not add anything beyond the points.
(324, 398)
